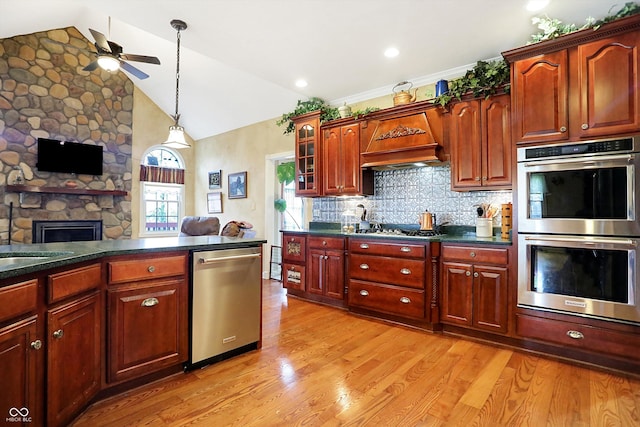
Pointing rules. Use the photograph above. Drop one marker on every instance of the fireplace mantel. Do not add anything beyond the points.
(63, 190)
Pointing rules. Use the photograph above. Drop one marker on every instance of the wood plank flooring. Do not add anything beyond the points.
(323, 366)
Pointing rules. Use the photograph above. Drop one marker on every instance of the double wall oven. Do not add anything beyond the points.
(579, 229)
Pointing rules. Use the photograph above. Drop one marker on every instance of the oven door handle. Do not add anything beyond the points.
(571, 162)
(583, 241)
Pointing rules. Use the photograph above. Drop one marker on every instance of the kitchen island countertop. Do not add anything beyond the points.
(65, 253)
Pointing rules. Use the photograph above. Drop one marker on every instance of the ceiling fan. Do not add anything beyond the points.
(110, 57)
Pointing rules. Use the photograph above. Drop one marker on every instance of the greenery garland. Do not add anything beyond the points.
(483, 80)
(327, 113)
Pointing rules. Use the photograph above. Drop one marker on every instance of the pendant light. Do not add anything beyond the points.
(176, 132)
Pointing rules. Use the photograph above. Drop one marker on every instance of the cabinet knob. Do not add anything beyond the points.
(149, 302)
(151, 269)
(405, 271)
(364, 293)
(36, 345)
(472, 254)
(293, 239)
(405, 300)
(484, 178)
(364, 266)
(468, 273)
(563, 129)
(324, 243)
(326, 257)
(477, 178)
(475, 274)
(405, 249)
(292, 268)
(576, 335)
(58, 334)
(584, 126)
(364, 246)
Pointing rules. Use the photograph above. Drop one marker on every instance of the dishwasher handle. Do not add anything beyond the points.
(227, 258)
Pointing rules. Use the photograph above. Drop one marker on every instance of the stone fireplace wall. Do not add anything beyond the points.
(44, 92)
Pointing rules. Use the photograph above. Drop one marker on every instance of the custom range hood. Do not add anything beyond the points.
(402, 137)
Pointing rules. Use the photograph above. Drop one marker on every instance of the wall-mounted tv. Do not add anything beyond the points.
(69, 157)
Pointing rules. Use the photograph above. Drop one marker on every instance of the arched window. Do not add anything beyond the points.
(162, 192)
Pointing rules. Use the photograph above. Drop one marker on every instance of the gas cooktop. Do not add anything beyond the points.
(400, 232)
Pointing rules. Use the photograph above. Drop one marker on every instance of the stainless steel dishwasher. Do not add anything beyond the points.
(225, 304)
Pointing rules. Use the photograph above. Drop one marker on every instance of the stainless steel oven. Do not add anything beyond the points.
(586, 188)
(586, 275)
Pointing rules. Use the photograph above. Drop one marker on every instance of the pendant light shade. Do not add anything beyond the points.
(176, 132)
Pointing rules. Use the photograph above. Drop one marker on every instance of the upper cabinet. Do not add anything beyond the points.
(341, 172)
(481, 144)
(307, 154)
(579, 86)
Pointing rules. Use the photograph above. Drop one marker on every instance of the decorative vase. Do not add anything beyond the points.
(344, 111)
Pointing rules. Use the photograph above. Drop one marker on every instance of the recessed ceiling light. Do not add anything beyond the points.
(536, 5)
(301, 83)
(391, 52)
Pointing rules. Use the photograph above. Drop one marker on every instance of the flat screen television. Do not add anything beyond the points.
(69, 157)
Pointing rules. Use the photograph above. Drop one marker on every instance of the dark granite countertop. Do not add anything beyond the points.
(66, 253)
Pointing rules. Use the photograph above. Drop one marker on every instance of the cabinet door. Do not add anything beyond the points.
(465, 151)
(293, 276)
(457, 293)
(20, 355)
(148, 327)
(496, 142)
(307, 138)
(73, 364)
(315, 284)
(331, 153)
(609, 79)
(350, 159)
(490, 298)
(540, 96)
(334, 274)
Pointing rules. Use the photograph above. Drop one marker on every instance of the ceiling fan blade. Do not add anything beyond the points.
(101, 40)
(140, 58)
(133, 70)
(92, 66)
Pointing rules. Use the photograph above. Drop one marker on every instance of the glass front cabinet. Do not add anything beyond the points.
(307, 154)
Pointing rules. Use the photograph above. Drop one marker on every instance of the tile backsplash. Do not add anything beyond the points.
(401, 194)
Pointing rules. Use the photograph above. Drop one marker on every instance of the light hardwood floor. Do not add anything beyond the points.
(323, 366)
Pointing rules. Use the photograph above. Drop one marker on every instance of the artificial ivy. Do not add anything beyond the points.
(327, 113)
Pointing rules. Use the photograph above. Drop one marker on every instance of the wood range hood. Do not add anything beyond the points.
(403, 136)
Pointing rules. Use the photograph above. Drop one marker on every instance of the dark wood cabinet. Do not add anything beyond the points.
(341, 172)
(307, 135)
(326, 262)
(480, 131)
(583, 85)
(147, 315)
(74, 336)
(475, 287)
(294, 258)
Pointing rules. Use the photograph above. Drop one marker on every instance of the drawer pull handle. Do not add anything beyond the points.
(576, 335)
(364, 246)
(324, 243)
(150, 302)
(405, 271)
(364, 266)
(468, 273)
(151, 269)
(405, 300)
(364, 293)
(472, 254)
(405, 249)
(36, 345)
(58, 334)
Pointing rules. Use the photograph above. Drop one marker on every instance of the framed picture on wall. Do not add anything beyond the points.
(214, 202)
(215, 180)
(238, 185)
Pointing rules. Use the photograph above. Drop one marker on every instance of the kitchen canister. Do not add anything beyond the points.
(506, 223)
(484, 227)
(442, 87)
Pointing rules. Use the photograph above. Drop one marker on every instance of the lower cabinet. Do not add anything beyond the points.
(294, 258)
(74, 335)
(326, 266)
(474, 287)
(147, 305)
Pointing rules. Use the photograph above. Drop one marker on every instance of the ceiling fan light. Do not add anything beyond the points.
(176, 138)
(108, 63)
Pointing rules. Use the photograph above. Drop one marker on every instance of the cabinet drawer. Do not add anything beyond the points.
(72, 282)
(294, 248)
(326, 242)
(475, 254)
(569, 334)
(387, 299)
(395, 271)
(18, 299)
(386, 248)
(150, 268)
(293, 276)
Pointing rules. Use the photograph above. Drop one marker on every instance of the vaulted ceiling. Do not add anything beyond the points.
(240, 58)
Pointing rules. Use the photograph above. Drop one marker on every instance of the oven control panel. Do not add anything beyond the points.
(593, 147)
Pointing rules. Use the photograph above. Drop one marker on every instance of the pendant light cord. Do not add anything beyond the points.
(177, 116)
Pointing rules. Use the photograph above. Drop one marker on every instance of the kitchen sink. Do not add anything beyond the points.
(20, 259)
(12, 258)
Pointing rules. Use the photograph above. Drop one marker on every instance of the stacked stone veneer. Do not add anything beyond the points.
(44, 92)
